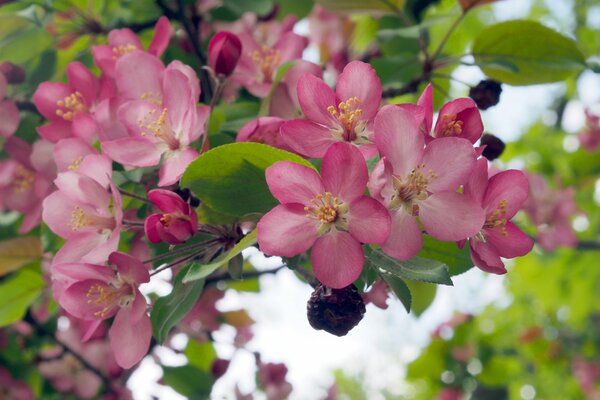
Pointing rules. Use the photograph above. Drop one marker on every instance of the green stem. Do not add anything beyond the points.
(180, 250)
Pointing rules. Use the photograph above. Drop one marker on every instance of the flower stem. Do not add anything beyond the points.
(134, 196)
(180, 250)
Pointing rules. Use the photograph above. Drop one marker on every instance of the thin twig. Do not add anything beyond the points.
(174, 263)
(180, 250)
(134, 196)
(248, 275)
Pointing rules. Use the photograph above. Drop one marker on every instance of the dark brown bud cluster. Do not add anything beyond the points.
(486, 94)
(494, 146)
(187, 196)
(336, 311)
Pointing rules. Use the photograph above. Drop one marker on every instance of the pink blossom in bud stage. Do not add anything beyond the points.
(9, 113)
(162, 118)
(457, 118)
(26, 179)
(224, 51)
(284, 102)
(551, 211)
(97, 292)
(12, 389)
(329, 213)
(590, 136)
(177, 222)
(69, 107)
(263, 130)
(500, 197)
(345, 115)
(125, 41)
(449, 394)
(258, 63)
(417, 181)
(377, 295)
(587, 374)
(85, 212)
(272, 378)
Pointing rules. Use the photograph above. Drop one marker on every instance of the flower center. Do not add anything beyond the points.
(450, 126)
(74, 166)
(412, 189)
(79, 219)
(122, 49)
(328, 210)
(23, 179)
(108, 297)
(70, 106)
(497, 218)
(267, 60)
(347, 113)
(168, 218)
(159, 128)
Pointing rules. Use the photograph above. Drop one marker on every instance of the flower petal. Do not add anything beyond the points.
(337, 259)
(174, 166)
(162, 35)
(286, 231)
(452, 160)
(9, 115)
(510, 241)
(293, 183)
(138, 73)
(478, 181)
(511, 187)
(77, 302)
(168, 201)
(139, 152)
(465, 111)
(369, 221)
(358, 79)
(405, 239)
(130, 338)
(344, 171)
(315, 97)
(486, 258)
(426, 101)
(307, 138)
(130, 268)
(150, 228)
(451, 216)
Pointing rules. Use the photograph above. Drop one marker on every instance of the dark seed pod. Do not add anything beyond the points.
(336, 311)
(183, 193)
(494, 146)
(194, 202)
(486, 93)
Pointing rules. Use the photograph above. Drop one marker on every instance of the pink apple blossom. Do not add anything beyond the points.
(500, 197)
(345, 115)
(258, 63)
(97, 292)
(377, 294)
(85, 212)
(590, 136)
(272, 378)
(416, 181)
(263, 130)
(162, 118)
(9, 113)
(12, 389)
(284, 102)
(177, 222)
(224, 51)
(329, 213)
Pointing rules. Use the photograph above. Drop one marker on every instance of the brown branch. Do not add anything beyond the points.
(24, 105)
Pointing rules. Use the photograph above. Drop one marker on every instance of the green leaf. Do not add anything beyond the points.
(279, 75)
(18, 252)
(235, 267)
(400, 290)
(417, 268)
(25, 46)
(537, 54)
(261, 7)
(171, 309)
(200, 354)
(423, 294)
(18, 292)
(230, 179)
(189, 381)
(448, 253)
(200, 271)
(371, 7)
(294, 7)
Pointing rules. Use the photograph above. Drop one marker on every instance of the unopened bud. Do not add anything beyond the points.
(494, 146)
(219, 367)
(336, 311)
(486, 93)
(224, 51)
(13, 73)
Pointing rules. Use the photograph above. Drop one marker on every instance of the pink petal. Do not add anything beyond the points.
(83, 189)
(57, 209)
(55, 130)
(88, 246)
(307, 138)
(46, 96)
(98, 167)
(315, 97)
(478, 181)
(162, 36)
(129, 340)
(358, 79)
(466, 111)
(124, 37)
(177, 98)
(286, 231)
(426, 101)
(150, 228)
(293, 183)
(293, 75)
(103, 58)
(510, 186)
(137, 73)
(337, 259)
(9, 115)
(75, 301)
(190, 74)
(130, 268)
(85, 127)
(452, 160)
(509, 242)
(75, 271)
(290, 46)
(135, 115)
(168, 201)
(486, 258)
(174, 166)
(344, 171)
(398, 139)
(369, 221)
(282, 104)
(451, 216)
(405, 239)
(82, 80)
(139, 152)
(68, 152)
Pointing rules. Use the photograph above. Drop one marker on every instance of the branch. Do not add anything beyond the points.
(249, 275)
(24, 105)
(588, 245)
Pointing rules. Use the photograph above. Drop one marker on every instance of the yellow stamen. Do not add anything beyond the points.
(101, 295)
(75, 164)
(450, 126)
(123, 49)
(70, 106)
(497, 219)
(79, 219)
(348, 114)
(23, 179)
(267, 60)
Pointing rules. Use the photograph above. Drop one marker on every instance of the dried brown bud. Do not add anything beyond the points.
(486, 93)
(336, 311)
(494, 146)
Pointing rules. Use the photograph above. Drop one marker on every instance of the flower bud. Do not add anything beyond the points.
(224, 51)
(486, 93)
(336, 311)
(494, 146)
(13, 73)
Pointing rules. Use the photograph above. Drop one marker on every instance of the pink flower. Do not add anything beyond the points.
(98, 292)
(84, 212)
(263, 130)
(224, 51)
(12, 389)
(9, 113)
(328, 213)
(590, 136)
(416, 181)
(345, 115)
(457, 118)
(162, 119)
(176, 224)
(551, 210)
(377, 295)
(125, 41)
(449, 394)
(284, 102)
(258, 63)
(500, 197)
(272, 378)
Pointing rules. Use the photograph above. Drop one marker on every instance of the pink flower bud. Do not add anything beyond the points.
(224, 51)
(176, 223)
